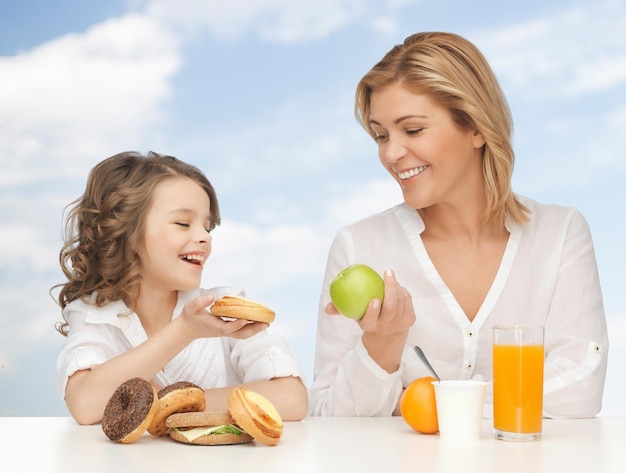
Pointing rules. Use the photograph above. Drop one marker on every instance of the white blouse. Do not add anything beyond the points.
(548, 276)
(98, 334)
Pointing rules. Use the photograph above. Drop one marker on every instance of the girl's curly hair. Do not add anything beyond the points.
(104, 229)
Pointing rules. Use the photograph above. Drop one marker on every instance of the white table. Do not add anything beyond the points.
(325, 445)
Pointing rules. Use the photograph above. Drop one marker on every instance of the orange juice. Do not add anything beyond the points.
(517, 388)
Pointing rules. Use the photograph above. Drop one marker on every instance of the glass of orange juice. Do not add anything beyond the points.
(518, 382)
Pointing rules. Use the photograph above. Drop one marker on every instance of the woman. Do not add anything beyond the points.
(462, 253)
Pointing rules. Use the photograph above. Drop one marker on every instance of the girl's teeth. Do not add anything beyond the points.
(197, 258)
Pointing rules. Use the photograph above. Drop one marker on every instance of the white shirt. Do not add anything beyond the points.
(98, 334)
(548, 276)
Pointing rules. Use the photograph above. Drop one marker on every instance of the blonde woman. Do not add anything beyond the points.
(462, 253)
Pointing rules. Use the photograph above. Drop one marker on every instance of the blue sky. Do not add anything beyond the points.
(259, 94)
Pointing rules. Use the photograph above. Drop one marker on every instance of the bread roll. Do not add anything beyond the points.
(256, 415)
(241, 308)
(181, 396)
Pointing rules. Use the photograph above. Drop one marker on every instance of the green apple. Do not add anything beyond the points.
(353, 288)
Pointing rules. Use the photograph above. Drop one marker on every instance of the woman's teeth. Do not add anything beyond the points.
(412, 172)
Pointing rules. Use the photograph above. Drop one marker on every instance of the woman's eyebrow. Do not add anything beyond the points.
(399, 120)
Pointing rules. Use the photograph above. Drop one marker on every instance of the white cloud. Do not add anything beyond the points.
(271, 20)
(602, 72)
(617, 119)
(576, 52)
(24, 245)
(262, 259)
(71, 98)
(27, 322)
(386, 26)
(353, 201)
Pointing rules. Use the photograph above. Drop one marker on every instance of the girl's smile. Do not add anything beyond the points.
(197, 259)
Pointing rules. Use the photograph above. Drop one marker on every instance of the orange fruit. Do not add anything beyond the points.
(418, 406)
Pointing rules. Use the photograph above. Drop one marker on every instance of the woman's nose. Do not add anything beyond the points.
(392, 151)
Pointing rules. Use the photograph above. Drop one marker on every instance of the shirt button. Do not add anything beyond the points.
(469, 334)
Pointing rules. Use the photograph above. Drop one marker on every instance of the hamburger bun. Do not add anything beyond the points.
(241, 308)
(255, 415)
(181, 396)
(205, 428)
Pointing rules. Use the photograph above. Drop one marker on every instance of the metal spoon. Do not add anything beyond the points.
(422, 356)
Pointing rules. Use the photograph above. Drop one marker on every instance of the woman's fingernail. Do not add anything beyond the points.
(389, 273)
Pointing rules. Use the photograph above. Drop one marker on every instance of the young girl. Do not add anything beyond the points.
(136, 243)
(462, 253)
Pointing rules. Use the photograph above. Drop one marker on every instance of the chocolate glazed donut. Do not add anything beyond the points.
(130, 410)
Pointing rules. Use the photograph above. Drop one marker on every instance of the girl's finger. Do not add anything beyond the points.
(200, 303)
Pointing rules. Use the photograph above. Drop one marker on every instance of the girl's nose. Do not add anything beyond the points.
(202, 236)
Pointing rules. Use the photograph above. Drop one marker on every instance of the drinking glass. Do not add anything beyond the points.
(518, 355)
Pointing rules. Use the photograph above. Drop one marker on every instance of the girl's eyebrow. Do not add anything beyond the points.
(182, 210)
(399, 120)
(187, 211)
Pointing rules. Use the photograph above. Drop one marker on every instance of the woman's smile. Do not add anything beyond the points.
(409, 173)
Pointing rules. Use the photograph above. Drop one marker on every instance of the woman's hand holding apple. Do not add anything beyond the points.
(380, 305)
(386, 322)
(386, 326)
(394, 315)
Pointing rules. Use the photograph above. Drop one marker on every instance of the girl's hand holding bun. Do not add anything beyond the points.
(196, 321)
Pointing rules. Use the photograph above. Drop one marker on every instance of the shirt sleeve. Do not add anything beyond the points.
(347, 381)
(263, 357)
(87, 345)
(576, 333)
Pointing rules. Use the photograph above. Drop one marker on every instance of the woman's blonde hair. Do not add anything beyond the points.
(104, 229)
(454, 73)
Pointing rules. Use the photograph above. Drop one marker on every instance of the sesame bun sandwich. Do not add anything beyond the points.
(205, 428)
(250, 417)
